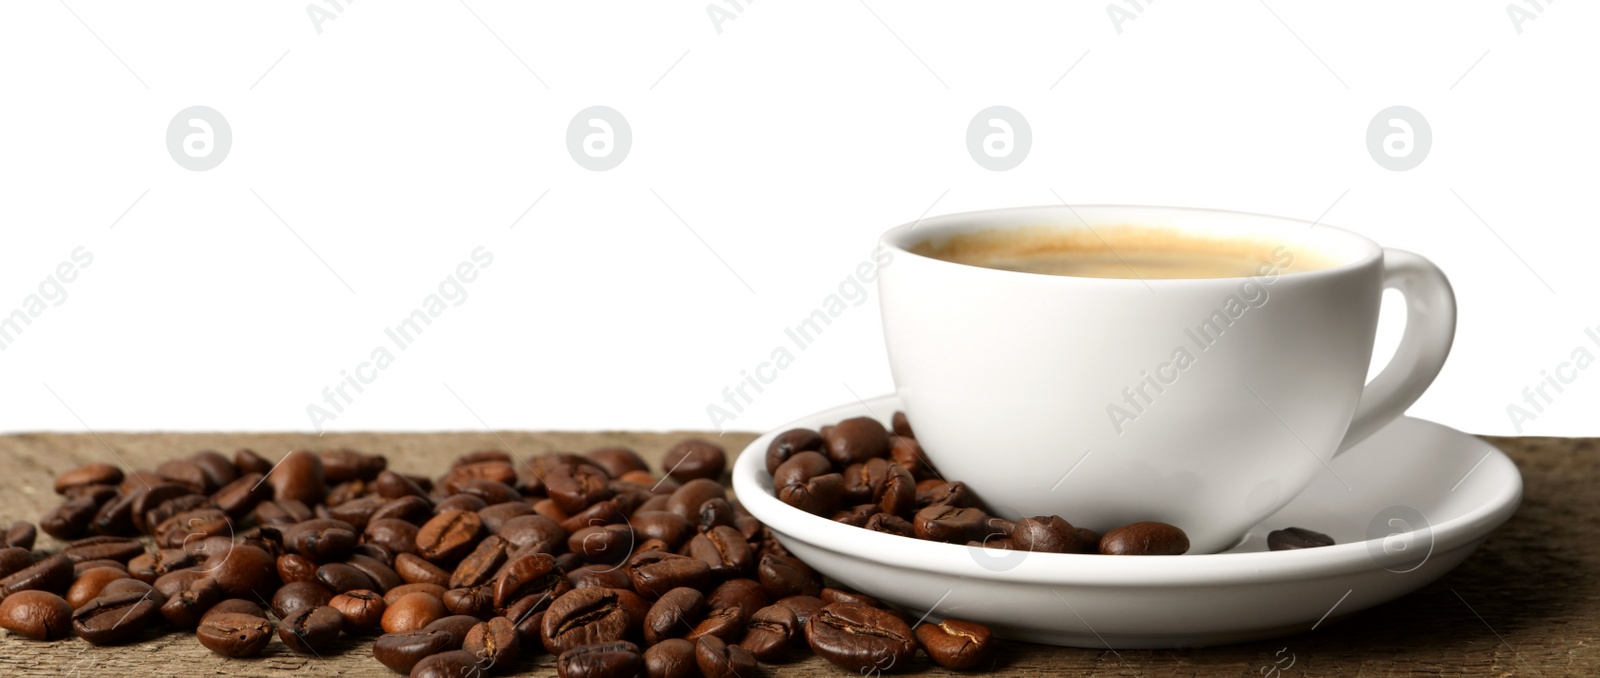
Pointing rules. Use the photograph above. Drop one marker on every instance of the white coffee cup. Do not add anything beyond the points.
(1070, 396)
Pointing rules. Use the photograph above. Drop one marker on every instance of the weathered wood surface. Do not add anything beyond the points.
(1525, 604)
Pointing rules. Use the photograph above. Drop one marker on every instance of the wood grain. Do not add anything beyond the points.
(1525, 604)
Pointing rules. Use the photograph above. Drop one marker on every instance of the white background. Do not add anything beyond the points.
(393, 138)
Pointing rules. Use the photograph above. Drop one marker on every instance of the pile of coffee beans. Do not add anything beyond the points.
(591, 558)
(859, 473)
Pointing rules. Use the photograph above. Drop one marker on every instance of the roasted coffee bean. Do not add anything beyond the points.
(323, 540)
(655, 573)
(602, 543)
(574, 487)
(99, 494)
(299, 476)
(601, 575)
(863, 482)
(394, 534)
(311, 630)
(21, 535)
(293, 567)
(14, 559)
(115, 517)
(448, 536)
(248, 461)
(951, 524)
(856, 440)
(667, 526)
(718, 659)
(391, 485)
(715, 512)
(233, 634)
(772, 630)
(415, 570)
(860, 638)
(1291, 538)
(361, 610)
(340, 577)
(1088, 539)
(244, 571)
(402, 651)
(902, 425)
(686, 500)
(71, 518)
(528, 615)
(693, 459)
(53, 574)
(412, 509)
(1145, 539)
(89, 474)
(819, 495)
(791, 442)
(498, 470)
(219, 471)
(344, 465)
(931, 492)
(724, 549)
(283, 514)
(150, 566)
(460, 502)
(534, 531)
(1048, 534)
(359, 511)
(745, 594)
(87, 586)
(382, 575)
(907, 452)
(616, 659)
(494, 516)
(184, 609)
(475, 601)
(240, 497)
(115, 619)
(803, 607)
(955, 644)
(39, 615)
(600, 513)
(783, 576)
(451, 664)
(411, 612)
(300, 595)
(671, 658)
(891, 524)
(236, 606)
(801, 467)
(185, 472)
(457, 624)
(490, 491)
(435, 590)
(617, 461)
(899, 495)
(493, 642)
(584, 617)
(535, 574)
(832, 595)
(177, 581)
(857, 516)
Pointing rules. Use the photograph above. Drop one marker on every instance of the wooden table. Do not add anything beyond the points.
(1525, 604)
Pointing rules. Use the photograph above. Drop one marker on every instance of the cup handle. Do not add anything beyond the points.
(1430, 329)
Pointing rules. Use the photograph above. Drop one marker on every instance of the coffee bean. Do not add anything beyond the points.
(907, 452)
(574, 487)
(448, 536)
(617, 461)
(773, 630)
(39, 615)
(71, 518)
(496, 470)
(21, 535)
(490, 491)
(1088, 540)
(244, 571)
(676, 612)
(340, 577)
(435, 590)
(89, 474)
(402, 651)
(87, 586)
(53, 574)
(411, 612)
(686, 500)
(300, 595)
(150, 566)
(476, 601)
(951, 524)
(617, 659)
(803, 607)
(819, 495)
(240, 497)
(667, 526)
(343, 465)
(494, 642)
(460, 502)
(863, 482)
(832, 595)
(528, 619)
(529, 575)
(299, 476)
(219, 471)
(935, 491)
(955, 644)
(584, 617)
(804, 466)
(602, 543)
(176, 582)
(397, 535)
(411, 509)
(293, 567)
(601, 575)
(856, 440)
(236, 606)
(184, 609)
(494, 516)
(382, 575)
(857, 516)
(724, 549)
(655, 573)
(391, 485)
(534, 531)
(1291, 538)
(361, 610)
(1145, 539)
(115, 619)
(783, 576)
(671, 658)
(718, 659)
(745, 594)
(323, 540)
(861, 638)
(451, 664)
(184, 472)
(1048, 534)
(413, 569)
(694, 459)
(311, 630)
(234, 634)
(789, 443)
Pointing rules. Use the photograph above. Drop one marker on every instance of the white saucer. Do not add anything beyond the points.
(1446, 489)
